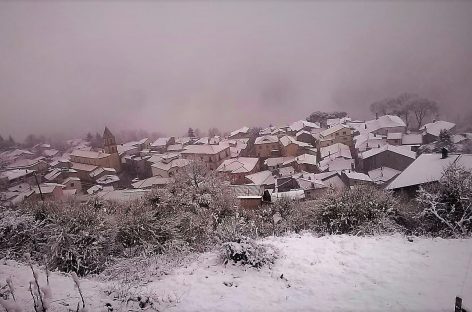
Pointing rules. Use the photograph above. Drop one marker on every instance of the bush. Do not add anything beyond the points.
(447, 205)
(247, 252)
(362, 210)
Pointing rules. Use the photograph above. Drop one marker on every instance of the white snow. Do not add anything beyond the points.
(331, 273)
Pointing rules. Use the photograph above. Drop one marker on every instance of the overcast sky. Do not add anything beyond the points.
(70, 67)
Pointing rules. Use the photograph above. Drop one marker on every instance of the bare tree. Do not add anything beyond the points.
(214, 132)
(422, 108)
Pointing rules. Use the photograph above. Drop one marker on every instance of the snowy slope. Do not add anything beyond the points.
(332, 273)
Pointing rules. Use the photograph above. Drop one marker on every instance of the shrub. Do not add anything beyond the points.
(248, 252)
(362, 210)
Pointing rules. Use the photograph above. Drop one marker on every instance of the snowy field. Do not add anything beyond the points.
(332, 273)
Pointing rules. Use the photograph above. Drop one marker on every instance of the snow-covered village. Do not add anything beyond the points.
(199, 164)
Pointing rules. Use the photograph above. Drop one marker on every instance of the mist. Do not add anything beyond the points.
(69, 67)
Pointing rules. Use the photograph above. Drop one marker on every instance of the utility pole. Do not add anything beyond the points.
(37, 183)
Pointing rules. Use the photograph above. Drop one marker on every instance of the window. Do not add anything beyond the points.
(72, 184)
(344, 132)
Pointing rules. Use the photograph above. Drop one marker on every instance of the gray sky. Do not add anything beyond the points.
(70, 67)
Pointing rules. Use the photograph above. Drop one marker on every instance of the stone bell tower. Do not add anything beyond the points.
(109, 147)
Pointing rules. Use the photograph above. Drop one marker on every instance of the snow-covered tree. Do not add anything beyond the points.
(447, 205)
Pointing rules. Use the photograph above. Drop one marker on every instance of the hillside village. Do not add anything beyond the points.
(300, 161)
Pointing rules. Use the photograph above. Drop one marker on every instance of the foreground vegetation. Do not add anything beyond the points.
(198, 213)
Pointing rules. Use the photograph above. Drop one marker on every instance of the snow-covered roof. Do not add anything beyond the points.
(336, 150)
(353, 175)
(209, 149)
(176, 162)
(383, 122)
(336, 164)
(394, 136)
(412, 139)
(262, 178)
(428, 168)
(100, 170)
(333, 129)
(108, 179)
(25, 163)
(383, 174)
(89, 154)
(238, 165)
(83, 167)
(434, 128)
(266, 139)
(392, 148)
(122, 195)
(306, 159)
(274, 161)
(243, 130)
(300, 124)
(151, 182)
(160, 142)
(247, 190)
(16, 173)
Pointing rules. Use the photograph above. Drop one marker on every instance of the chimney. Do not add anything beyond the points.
(444, 153)
(376, 115)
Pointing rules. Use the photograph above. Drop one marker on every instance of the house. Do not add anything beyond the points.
(384, 125)
(412, 140)
(83, 171)
(211, 154)
(240, 133)
(426, 169)
(72, 183)
(59, 174)
(305, 137)
(100, 172)
(431, 130)
(236, 169)
(291, 147)
(332, 179)
(250, 201)
(267, 146)
(311, 188)
(48, 191)
(139, 166)
(395, 157)
(168, 167)
(37, 164)
(353, 178)
(161, 144)
(307, 163)
(336, 134)
(152, 182)
(394, 138)
(14, 177)
(127, 150)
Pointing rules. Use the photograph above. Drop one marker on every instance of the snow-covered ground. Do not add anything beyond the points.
(332, 273)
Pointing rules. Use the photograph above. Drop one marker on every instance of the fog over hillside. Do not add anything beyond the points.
(70, 67)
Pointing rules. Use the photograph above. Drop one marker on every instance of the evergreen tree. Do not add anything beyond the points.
(89, 137)
(191, 133)
(444, 141)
